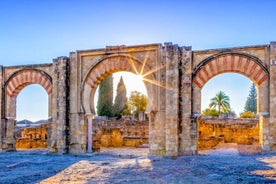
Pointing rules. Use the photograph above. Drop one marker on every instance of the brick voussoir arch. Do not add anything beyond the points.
(242, 63)
(109, 65)
(18, 80)
(104, 67)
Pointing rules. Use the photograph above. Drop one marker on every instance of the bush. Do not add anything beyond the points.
(210, 112)
(247, 114)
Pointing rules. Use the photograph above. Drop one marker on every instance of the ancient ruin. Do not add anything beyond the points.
(32, 137)
(173, 76)
(212, 131)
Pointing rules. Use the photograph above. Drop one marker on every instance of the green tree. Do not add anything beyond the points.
(251, 101)
(137, 102)
(120, 99)
(105, 99)
(222, 102)
(127, 109)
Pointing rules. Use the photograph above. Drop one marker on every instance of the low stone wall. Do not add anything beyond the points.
(212, 131)
(32, 137)
(30, 143)
(119, 133)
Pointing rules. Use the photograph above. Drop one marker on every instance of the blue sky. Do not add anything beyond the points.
(34, 32)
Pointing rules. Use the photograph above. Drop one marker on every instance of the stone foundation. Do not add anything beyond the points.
(215, 130)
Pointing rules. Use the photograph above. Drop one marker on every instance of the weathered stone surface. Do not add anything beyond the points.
(213, 131)
(120, 133)
(32, 137)
(173, 76)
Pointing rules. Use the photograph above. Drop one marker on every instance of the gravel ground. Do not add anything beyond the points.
(224, 165)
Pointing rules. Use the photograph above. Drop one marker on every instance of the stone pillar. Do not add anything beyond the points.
(9, 123)
(196, 103)
(1, 134)
(188, 126)
(270, 131)
(156, 108)
(172, 98)
(78, 122)
(60, 124)
(264, 133)
(263, 98)
(52, 137)
(9, 139)
(1, 107)
(89, 133)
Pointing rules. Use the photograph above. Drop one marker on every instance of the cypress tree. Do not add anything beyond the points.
(121, 98)
(251, 101)
(105, 99)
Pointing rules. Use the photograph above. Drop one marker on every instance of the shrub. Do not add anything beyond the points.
(247, 114)
(210, 112)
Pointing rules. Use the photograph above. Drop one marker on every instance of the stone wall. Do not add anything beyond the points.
(32, 137)
(215, 130)
(173, 76)
(119, 133)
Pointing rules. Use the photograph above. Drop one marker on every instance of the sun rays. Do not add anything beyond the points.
(145, 73)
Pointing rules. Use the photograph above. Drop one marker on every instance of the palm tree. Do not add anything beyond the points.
(222, 101)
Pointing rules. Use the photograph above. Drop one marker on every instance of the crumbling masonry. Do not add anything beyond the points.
(173, 76)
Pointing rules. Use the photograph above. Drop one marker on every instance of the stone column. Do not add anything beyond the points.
(1, 134)
(9, 139)
(263, 98)
(156, 108)
(172, 98)
(9, 123)
(1, 107)
(52, 137)
(196, 103)
(89, 133)
(270, 128)
(264, 133)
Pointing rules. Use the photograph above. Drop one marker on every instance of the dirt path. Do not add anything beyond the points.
(134, 166)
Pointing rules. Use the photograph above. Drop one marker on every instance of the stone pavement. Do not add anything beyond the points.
(134, 166)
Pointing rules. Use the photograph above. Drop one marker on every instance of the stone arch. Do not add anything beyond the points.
(18, 80)
(13, 85)
(245, 64)
(106, 66)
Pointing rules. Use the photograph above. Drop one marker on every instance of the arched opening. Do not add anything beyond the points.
(103, 68)
(128, 127)
(31, 118)
(221, 63)
(233, 130)
(13, 86)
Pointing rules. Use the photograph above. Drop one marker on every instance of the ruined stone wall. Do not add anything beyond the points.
(32, 137)
(59, 122)
(268, 121)
(215, 130)
(2, 109)
(187, 125)
(120, 133)
(174, 96)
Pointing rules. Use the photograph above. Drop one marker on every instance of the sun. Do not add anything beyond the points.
(140, 77)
